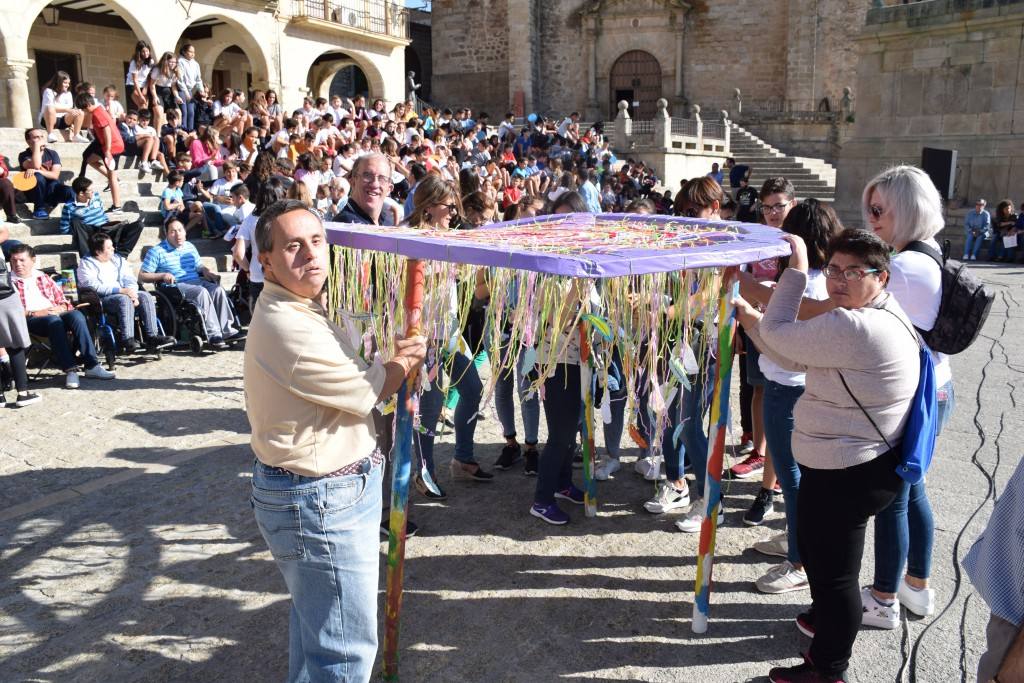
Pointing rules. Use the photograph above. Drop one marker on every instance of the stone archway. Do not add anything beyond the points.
(228, 32)
(637, 78)
(326, 66)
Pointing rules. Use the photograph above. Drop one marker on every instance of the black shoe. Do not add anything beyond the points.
(218, 343)
(236, 336)
(160, 341)
(577, 457)
(426, 491)
(410, 528)
(509, 456)
(530, 467)
(128, 346)
(27, 398)
(762, 509)
(15, 219)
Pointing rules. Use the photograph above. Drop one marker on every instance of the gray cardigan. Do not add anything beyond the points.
(878, 358)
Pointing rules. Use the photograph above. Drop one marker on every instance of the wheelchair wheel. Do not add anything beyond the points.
(196, 344)
(165, 313)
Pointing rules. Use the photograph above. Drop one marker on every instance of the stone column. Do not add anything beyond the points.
(18, 112)
(662, 126)
(728, 133)
(679, 99)
(700, 129)
(593, 108)
(623, 126)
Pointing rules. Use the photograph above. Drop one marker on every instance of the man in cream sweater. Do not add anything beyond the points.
(317, 475)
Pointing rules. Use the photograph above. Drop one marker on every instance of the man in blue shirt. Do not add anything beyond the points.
(44, 162)
(84, 215)
(175, 262)
(591, 195)
(995, 565)
(716, 174)
(977, 225)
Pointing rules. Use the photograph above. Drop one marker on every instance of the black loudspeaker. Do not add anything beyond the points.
(940, 165)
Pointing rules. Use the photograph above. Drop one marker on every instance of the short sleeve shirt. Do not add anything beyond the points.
(182, 263)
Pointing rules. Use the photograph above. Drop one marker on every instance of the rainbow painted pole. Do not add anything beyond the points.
(401, 468)
(716, 451)
(587, 393)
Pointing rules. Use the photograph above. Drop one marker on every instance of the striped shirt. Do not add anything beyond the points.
(182, 263)
(995, 563)
(90, 214)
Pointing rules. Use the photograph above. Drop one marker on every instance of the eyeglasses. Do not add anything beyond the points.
(452, 208)
(774, 208)
(850, 274)
(368, 178)
(876, 211)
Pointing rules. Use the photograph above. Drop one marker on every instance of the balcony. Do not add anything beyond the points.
(376, 18)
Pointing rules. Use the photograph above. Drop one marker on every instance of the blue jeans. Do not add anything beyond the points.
(505, 404)
(57, 328)
(779, 401)
(49, 192)
(690, 406)
(973, 244)
(188, 112)
(122, 308)
(562, 405)
(324, 535)
(464, 377)
(906, 528)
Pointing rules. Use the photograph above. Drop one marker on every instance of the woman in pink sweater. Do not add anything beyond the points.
(205, 154)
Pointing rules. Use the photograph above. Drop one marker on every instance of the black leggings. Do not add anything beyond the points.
(833, 511)
(18, 370)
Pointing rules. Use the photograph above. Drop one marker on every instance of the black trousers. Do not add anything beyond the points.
(124, 235)
(833, 512)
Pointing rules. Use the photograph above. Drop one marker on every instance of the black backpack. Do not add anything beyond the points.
(964, 307)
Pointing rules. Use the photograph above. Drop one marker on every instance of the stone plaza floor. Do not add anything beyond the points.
(128, 550)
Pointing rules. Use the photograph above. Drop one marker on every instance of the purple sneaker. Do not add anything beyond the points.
(571, 494)
(552, 514)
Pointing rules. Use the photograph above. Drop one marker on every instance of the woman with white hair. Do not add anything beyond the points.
(902, 207)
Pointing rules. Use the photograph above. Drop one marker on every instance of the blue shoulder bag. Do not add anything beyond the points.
(922, 422)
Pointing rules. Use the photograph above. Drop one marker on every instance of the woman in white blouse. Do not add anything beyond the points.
(58, 109)
(136, 82)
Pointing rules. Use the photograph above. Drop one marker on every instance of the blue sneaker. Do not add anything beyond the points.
(571, 494)
(41, 213)
(552, 514)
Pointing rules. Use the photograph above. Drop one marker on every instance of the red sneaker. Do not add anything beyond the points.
(752, 466)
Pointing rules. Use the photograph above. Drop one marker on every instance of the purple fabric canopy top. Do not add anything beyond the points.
(578, 244)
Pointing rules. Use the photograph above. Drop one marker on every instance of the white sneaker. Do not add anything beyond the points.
(777, 545)
(145, 167)
(878, 615)
(99, 372)
(156, 164)
(649, 468)
(782, 578)
(71, 382)
(53, 137)
(667, 498)
(607, 468)
(695, 517)
(919, 601)
(82, 137)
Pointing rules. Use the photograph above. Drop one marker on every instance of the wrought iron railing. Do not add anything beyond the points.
(681, 126)
(714, 130)
(374, 16)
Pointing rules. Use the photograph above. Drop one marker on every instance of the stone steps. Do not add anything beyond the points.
(140, 193)
(811, 177)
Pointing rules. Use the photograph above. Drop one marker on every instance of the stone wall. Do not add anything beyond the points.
(941, 74)
(470, 54)
(103, 54)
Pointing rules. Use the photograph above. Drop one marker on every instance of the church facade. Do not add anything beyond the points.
(586, 55)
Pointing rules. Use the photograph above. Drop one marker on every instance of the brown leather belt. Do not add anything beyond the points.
(369, 462)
